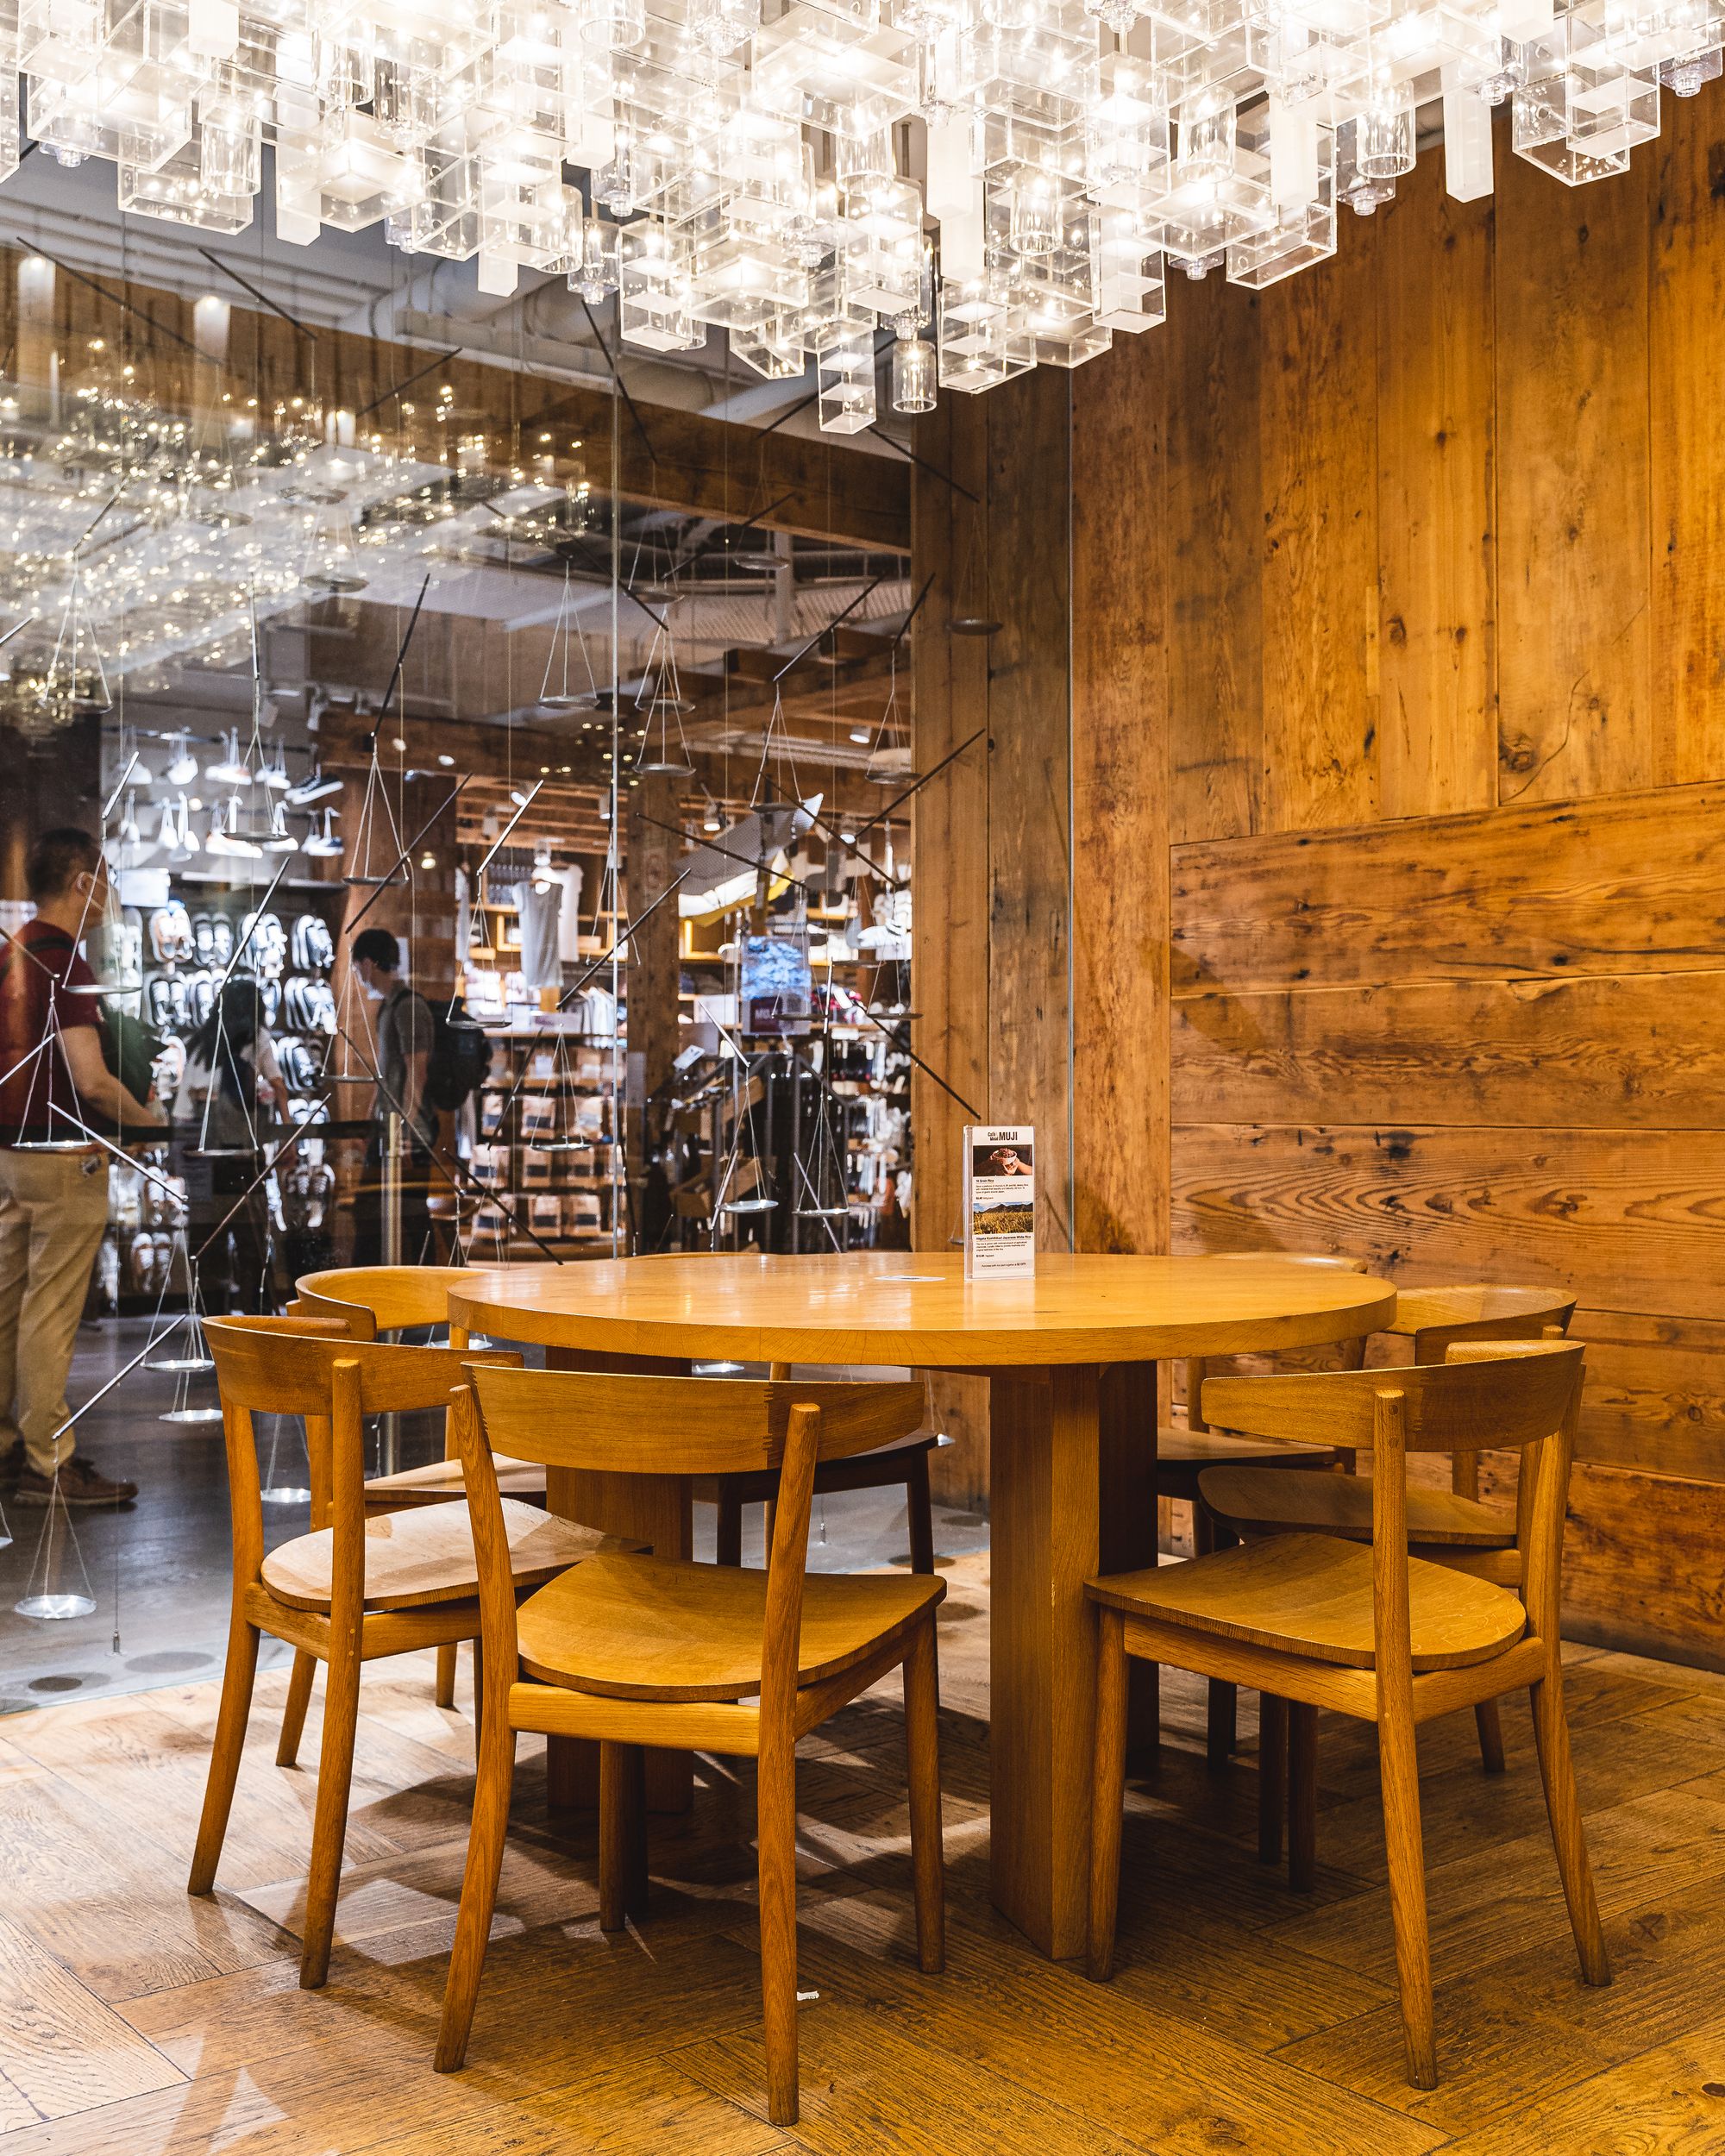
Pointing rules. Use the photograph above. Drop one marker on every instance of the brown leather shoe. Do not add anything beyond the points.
(79, 1485)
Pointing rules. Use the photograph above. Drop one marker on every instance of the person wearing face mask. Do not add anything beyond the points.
(55, 1088)
(404, 1033)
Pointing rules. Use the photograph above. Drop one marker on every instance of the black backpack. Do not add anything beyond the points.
(460, 1057)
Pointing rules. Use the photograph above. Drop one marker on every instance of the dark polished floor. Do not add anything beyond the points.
(158, 1570)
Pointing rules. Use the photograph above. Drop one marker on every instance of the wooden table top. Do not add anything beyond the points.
(916, 1307)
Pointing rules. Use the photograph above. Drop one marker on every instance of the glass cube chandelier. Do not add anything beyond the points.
(749, 167)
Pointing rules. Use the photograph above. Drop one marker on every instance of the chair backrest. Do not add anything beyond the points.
(622, 1424)
(1434, 1319)
(1478, 1404)
(1489, 1395)
(375, 1298)
(674, 1426)
(280, 1366)
(309, 1367)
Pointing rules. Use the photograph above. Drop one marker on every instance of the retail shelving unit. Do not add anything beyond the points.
(546, 1143)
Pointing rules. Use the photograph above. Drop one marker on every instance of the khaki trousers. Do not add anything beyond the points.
(54, 1208)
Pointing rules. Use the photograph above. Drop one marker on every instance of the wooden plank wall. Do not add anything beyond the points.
(1399, 694)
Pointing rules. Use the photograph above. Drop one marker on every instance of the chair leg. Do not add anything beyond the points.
(920, 1514)
(1563, 1807)
(922, 1747)
(1490, 1725)
(1302, 1795)
(1272, 1775)
(237, 1679)
(1399, 1772)
(634, 1868)
(478, 1692)
(330, 1820)
(1221, 1706)
(621, 1785)
(445, 1692)
(1107, 1793)
(485, 1837)
(294, 1715)
(776, 1835)
(730, 1531)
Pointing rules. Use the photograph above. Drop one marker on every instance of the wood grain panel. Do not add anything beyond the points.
(1627, 1051)
(1686, 308)
(1655, 1397)
(1630, 1221)
(1640, 1561)
(1436, 501)
(1213, 561)
(1574, 516)
(1029, 779)
(1634, 884)
(1120, 707)
(1319, 468)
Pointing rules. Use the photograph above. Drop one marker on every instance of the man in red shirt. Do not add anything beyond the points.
(53, 1205)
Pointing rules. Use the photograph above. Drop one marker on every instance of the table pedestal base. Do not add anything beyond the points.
(1072, 1473)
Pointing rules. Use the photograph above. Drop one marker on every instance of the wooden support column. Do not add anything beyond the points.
(654, 962)
(991, 836)
(1119, 796)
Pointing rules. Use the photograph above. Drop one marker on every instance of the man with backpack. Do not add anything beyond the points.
(55, 1090)
(405, 1036)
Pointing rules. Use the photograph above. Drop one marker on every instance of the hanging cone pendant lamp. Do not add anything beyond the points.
(568, 686)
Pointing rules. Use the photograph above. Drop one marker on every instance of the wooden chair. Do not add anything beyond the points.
(1372, 1631)
(1183, 1451)
(358, 1589)
(643, 1651)
(390, 1298)
(1445, 1527)
(905, 1463)
(372, 1300)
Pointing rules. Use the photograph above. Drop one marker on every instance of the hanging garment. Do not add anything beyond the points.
(541, 967)
(569, 920)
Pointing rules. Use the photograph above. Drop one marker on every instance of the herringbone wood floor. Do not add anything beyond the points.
(133, 2022)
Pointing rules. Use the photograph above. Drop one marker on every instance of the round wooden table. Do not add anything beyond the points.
(1071, 1359)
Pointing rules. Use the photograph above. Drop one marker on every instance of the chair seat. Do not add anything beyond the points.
(426, 1555)
(442, 1479)
(654, 1628)
(1199, 1449)
(1183, 1455)
(1251, 1501)
(879, 1469)
(1311, 1595)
